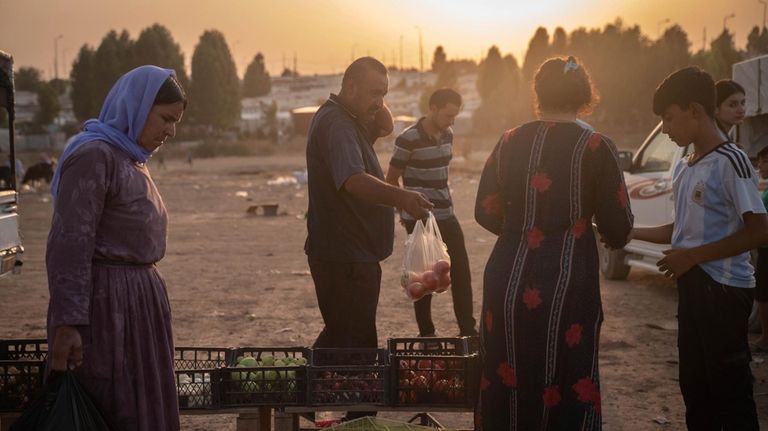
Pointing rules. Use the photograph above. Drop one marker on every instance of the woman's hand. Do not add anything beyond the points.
(67, 348)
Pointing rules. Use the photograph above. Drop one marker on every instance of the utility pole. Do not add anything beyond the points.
(763, 2)
(401, 52)
(295, 67)
(704, 40)
(56, 56)
(421, 53)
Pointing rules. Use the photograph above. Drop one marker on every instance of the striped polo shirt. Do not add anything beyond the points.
(424, 160)
(711, 197)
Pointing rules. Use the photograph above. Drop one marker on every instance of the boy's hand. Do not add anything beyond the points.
(676, 262)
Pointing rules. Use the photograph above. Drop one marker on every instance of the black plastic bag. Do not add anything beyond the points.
(63, 406)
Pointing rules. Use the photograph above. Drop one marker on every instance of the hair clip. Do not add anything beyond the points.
(570, 65)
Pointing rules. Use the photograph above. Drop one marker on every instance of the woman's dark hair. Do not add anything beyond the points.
(170, 92)
(726, 88)
(563, 85)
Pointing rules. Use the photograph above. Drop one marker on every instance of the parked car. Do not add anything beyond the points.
(648, 174)
(10, 241)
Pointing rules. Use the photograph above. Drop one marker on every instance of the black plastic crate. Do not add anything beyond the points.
(198, 388)
(24, 350)
(263, 386)
(195, 358)
(20, 383)
(435, 381)
(348, 376)
(442, 346)
(275, 376)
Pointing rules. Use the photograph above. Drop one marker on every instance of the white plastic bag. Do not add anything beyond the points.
(426, 266)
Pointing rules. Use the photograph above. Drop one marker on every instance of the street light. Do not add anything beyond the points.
(421, 52)
(658, 26)
(726, 18)
(56, 56)
(764, 6)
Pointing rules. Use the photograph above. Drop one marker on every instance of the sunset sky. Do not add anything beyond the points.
(325, 34)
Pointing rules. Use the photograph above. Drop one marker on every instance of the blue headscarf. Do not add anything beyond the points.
(122, 117)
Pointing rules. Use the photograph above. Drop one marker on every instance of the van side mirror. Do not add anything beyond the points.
(625, 160)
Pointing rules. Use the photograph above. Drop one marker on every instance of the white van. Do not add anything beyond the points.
(648, 174)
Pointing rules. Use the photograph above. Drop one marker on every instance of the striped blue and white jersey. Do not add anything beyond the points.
(711, 197)
(424, 160)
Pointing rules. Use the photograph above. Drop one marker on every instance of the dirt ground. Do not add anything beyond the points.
(241, 280)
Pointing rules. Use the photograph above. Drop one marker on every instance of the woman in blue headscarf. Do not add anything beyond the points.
(108, 315)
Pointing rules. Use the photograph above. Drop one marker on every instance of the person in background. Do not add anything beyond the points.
(729, 106)
(108, 315)
(542, 186)
(421, 157)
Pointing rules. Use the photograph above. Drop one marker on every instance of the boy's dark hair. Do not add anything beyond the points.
(358, 68)
(444, 96)
(563, 85)
(686, 86)
(726, 88)
(170, 92)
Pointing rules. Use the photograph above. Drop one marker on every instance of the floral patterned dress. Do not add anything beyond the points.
(540, 190)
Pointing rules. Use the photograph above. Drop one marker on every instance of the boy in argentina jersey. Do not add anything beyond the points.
(719, 217)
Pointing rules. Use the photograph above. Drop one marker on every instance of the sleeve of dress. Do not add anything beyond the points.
(71, 241)
(613, 214)
(489, 208)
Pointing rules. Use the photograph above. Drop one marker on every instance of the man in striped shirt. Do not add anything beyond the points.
(421, 157)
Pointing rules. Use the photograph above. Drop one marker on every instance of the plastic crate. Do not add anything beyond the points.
(198, 389)
(266, 385)
(195, 358)
(442, 346)
(435, 381)
(24, 350)
(348, 376)
(20, 383)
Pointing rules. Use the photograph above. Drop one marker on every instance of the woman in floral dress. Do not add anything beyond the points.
(542, 187)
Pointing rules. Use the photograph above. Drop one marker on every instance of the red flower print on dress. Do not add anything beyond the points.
(594, 141)
(484, 383)
(507, 374)
(532, 297)
(587, 391)
(488, 321)
(573, 335)
(492, 204)
(551, 396)
(579, 227)
(541, 182)
(535, 236)
(622, 195)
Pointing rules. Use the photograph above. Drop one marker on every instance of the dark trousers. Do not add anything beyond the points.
(347, 294)
(715, 378)
(461, 281)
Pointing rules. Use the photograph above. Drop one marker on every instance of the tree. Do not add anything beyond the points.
(48, 104)
(84, 102)
(439, 59)
(28, 79)
(256, 81)
(538, 51)
(498, 85)
(757, 42)
(289, 73)
(722, 55)
(559, 42)
(112, 59)
(214, 92)
(156, 46)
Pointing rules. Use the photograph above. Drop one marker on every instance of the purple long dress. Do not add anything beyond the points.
(109, 228)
